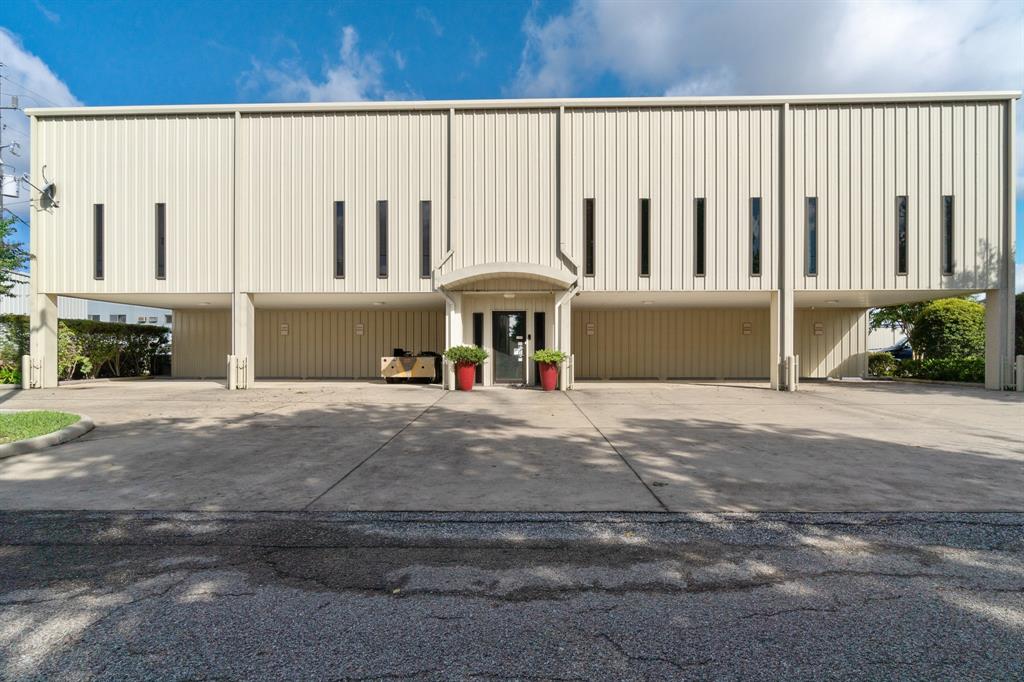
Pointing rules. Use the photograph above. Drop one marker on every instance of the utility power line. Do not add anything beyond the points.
(29, 90)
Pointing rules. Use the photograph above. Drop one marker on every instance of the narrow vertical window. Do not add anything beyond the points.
(382, 238)
(161, 241)
(755, 236)
(97, 241)
(947, 235)
(901, 235)
(425, 239)
(645, 237)
(539, 338)
(698, 237)
(811, 237)
(588, 237)
(339, 239)
(478, 341)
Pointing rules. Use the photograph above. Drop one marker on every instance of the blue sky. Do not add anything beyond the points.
(146, 52)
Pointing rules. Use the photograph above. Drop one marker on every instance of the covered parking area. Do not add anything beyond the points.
(607, 446)
(710, 335)
(309, 336)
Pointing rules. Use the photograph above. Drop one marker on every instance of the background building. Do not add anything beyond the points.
(650, 238)
(18, 303)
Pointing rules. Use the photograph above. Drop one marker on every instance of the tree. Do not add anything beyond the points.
(12, 256)
(950, 328)
(900, 317)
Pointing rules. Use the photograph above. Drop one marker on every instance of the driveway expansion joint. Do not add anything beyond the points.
(383, 445)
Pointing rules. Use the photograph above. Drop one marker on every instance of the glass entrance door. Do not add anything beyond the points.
(509, 342)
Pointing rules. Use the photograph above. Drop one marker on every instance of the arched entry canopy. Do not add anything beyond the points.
(523, 275)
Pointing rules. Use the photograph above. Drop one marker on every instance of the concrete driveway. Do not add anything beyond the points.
(283, 446)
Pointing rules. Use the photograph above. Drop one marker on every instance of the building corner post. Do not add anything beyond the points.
(999, 324)
(43, 318)
(1000, 303)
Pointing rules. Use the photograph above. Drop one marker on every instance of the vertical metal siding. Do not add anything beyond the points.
(200, 343)
(840, 351)
(682, 343)
(503, 187)
(672, 156)
(858, 158)
(129, 164)
(324, 343)
(293, 167)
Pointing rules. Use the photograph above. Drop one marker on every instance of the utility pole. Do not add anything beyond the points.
(13, 146)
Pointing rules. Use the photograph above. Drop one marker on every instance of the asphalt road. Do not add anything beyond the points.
(201, 596)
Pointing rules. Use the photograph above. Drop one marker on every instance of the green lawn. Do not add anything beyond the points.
(21, 425)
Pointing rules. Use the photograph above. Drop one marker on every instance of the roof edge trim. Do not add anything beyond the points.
(570, 103)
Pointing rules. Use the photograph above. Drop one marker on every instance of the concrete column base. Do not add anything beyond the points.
(999, 325)
(453, 325)
(241, 369)
(781, 321)
(43, 341)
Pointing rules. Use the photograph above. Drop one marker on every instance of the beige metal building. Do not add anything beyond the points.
(650, 238)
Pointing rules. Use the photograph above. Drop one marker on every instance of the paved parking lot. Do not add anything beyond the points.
(344, 446)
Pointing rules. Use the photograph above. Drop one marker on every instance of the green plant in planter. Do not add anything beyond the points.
(460, 354)
(549, 355)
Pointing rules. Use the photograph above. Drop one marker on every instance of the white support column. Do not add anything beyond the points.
(775, 342)
(782, 368)
(453, 326)
(243, 341)
(43, 340)
(563, 312)
(781, 320)
(999, 324)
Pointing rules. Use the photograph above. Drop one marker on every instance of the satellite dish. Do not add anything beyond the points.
(48, 193)
(48, 197)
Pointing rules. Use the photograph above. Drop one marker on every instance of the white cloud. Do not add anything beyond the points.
(355, 76)
(424, 14)
(28, 77)
(749, 48)
(778, 47)
(1019, 278)
(50, 15)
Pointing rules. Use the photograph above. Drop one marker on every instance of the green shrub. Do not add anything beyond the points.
(13, 339)
(9, 374)
(942, 369)
(950, 328)
(882, 364)
(549, 355)
(86, 348)
(70, 358)
(461, 354)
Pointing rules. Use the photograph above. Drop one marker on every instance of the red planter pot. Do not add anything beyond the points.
(465, 376)
(548, 375)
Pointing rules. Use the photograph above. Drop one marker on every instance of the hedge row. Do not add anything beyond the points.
(970, 369)
(86, 349)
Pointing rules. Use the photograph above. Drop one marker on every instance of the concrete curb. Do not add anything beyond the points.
(937, 382)
(81, 427)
